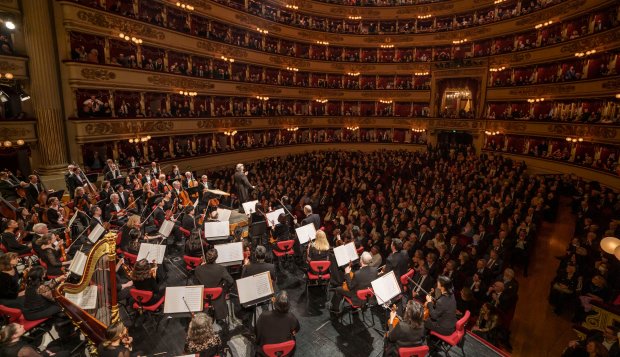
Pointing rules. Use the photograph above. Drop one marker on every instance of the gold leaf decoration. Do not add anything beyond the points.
(98, 74)
(387, 94)
(602, 41)
(189, 83)
(129, 127)
(289, 62)
(546, 90)
(425, 9)
(321, 93)
(220, 49)
(320, 36)
(255, 21)
(120, 24)
(223, 123)
(8, 66)
(550, 12)
(289, 121)
(613, 84)
(350, 121)
(511, 58)
(14, 133)
(257, 89)
(601, 132)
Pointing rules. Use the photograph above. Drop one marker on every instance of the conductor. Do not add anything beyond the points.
(243, 185)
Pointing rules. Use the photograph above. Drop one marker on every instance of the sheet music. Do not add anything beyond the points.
(193, 295)
(249, 207)
(216, 229)
(345, 254)
(272, 217)
(386, 287)
(254, 287)
(223, 215)
(231, 252)
(78, 263)
(306, 233)
(152, 252)
(94, 235)
(86, 299)
(166, 228)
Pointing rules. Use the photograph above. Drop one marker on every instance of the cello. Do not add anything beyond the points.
(21, 192)
(7, 209)
(43, 195)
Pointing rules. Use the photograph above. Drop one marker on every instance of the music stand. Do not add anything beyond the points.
(257, 231)
(58, 194)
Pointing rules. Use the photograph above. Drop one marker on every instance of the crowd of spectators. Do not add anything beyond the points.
(193, 24)
(602, 157)
(575, 111)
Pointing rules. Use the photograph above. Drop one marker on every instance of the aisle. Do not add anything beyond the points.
(536, 330)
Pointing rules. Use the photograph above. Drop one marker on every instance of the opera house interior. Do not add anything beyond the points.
(309, 178)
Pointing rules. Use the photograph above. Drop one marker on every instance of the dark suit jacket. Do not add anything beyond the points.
(398, 262)
(442, 315)
(275, 327)
(212, 276)
(427, 285)
(361, 280)
(159, 215)
(257, 268)
(109, 208)
(32, 193)
(314, 219)
(189, 222)
(7, 190)
(243, 186)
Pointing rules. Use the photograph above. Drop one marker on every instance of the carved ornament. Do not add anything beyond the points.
(347, 121)
(321, 93)
(121, 25)
(426, 8)
(612, 84)
(289, 121)
(258, 89)
(222, 49)
(450, 124)
(604, 40)
(255, 21)
(469, 33)
(14, 133)
(352, 11)
(385, 39)
(321, 36)
(165, 81)
(511, 58)
(595, 131)
(546, 90)
(550, 13)
(387, 94)
(97, 74)
(6, 66)
(353, 67)
(129, 127)
(223, 123)
(289, 62)
(203, 4)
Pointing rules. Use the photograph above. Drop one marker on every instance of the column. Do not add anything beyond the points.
(44, 85)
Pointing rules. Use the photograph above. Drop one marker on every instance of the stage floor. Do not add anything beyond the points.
(319, 335)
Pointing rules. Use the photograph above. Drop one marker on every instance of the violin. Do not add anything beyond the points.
(395, 320)
(345, 287)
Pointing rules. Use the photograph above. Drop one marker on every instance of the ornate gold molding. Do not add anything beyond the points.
(546, 90)
(204, 4)
(8, 66)
(462, 34)
(97, 74)
(386, 39)
(601, 132)
(613, 84)
(129, 127)
(329, 37)
(550, 13)
(603, 40)
(289, 62)
(387, 94)
(222, 49)
(14, 133)
(511, 58)
(258, 89)
(322, 93)
(223, 123)
(254, 21)
(353, 67)
(519, 127)
(426, 8)
(351, 121)
(165, 81)
(353, 11)
(122, 25)
(289, 121)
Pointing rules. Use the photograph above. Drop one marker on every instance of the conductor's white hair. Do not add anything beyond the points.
(239, 167)
(308, 209)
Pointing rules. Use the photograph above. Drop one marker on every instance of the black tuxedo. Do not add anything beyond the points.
(113, 174)
(188, 222)
(243, 186)
(257, 268)
(314, 219)
(361, 280)
(32, 192)
(398, 262)
(212, 276)
(442, 315)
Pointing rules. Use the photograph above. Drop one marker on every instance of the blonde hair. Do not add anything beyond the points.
(131, 222)
(320, 241)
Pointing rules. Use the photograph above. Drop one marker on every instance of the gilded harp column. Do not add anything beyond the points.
(44, 84)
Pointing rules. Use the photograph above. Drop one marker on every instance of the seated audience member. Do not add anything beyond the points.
(13, 344)
(212, 275)
(201, 338)
(442, 310)
(407, 333)
(276, 326)
(117, 342)
(377, 260)
(361, 280)
(148, 277)
(564, 288)
(9, 281)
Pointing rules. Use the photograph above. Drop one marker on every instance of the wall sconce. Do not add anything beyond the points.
(9, 24)
(322, 101)
(230, 133)
(416, 130)
(498, 2)
(264, 99)
(544, 24)
(610, 245)
(458, 42)
(139, 139)
(137, 41)
(497, 69)
(8, 76)
(185, 6)
(535, 100)
(492, 133)
(387, 46)
(227, 59)
(587, 53)
(385, 101)
(618, 96)
(322, 43)
(355, 74)
(573, 140)
(353, 128)
(188, 94)
(264, 32)
(421, 74)
(424, 16)
(292, 7)
(292, 69)
(354, 17)
(9, 143)
(293, 128)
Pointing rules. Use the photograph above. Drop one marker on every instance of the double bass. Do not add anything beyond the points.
(21, 192)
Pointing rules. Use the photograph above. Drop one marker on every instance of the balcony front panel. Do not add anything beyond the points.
(607, 87)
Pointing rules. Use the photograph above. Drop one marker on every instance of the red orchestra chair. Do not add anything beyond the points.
(211, 294)
(318, 275)
(185, 232)
(11, 315)
(43, 264)
(191, 263)
(279, 349)
(364, 295)
(446, 343)
(131, 258)
(144, 306)
(420, 351)
(404, 279)
(284, 250)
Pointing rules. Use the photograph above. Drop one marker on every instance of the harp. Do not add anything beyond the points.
(100, 275)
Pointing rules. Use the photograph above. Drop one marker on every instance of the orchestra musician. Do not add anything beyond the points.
(310, 218)
(9, 280)
(9, 240)
(398, 261)
(319, 248)
(123, 195)
(159, 215)
(175, 174)
(243, 185)
(201, 339)
(113, 173)
(442, 311)
(194, 245)
(408, 332)
(189, 181)
(132, 163)
(33, 190)
(154, 169)
(359, 280)
(211, 275)
(148, 276)
(189, 219)
(109, 166)
(424, 282)
(133, 223)
(282, 231)
(278, 325)
(54, 213)
(162, 184)
(115, 211)
(73, 179)
(38, 300)
(147, 177)
(8, 187)
(176, 191)
(49, 246)
(259, 266)
(105, 193)
(117, 342)
(14, 343)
